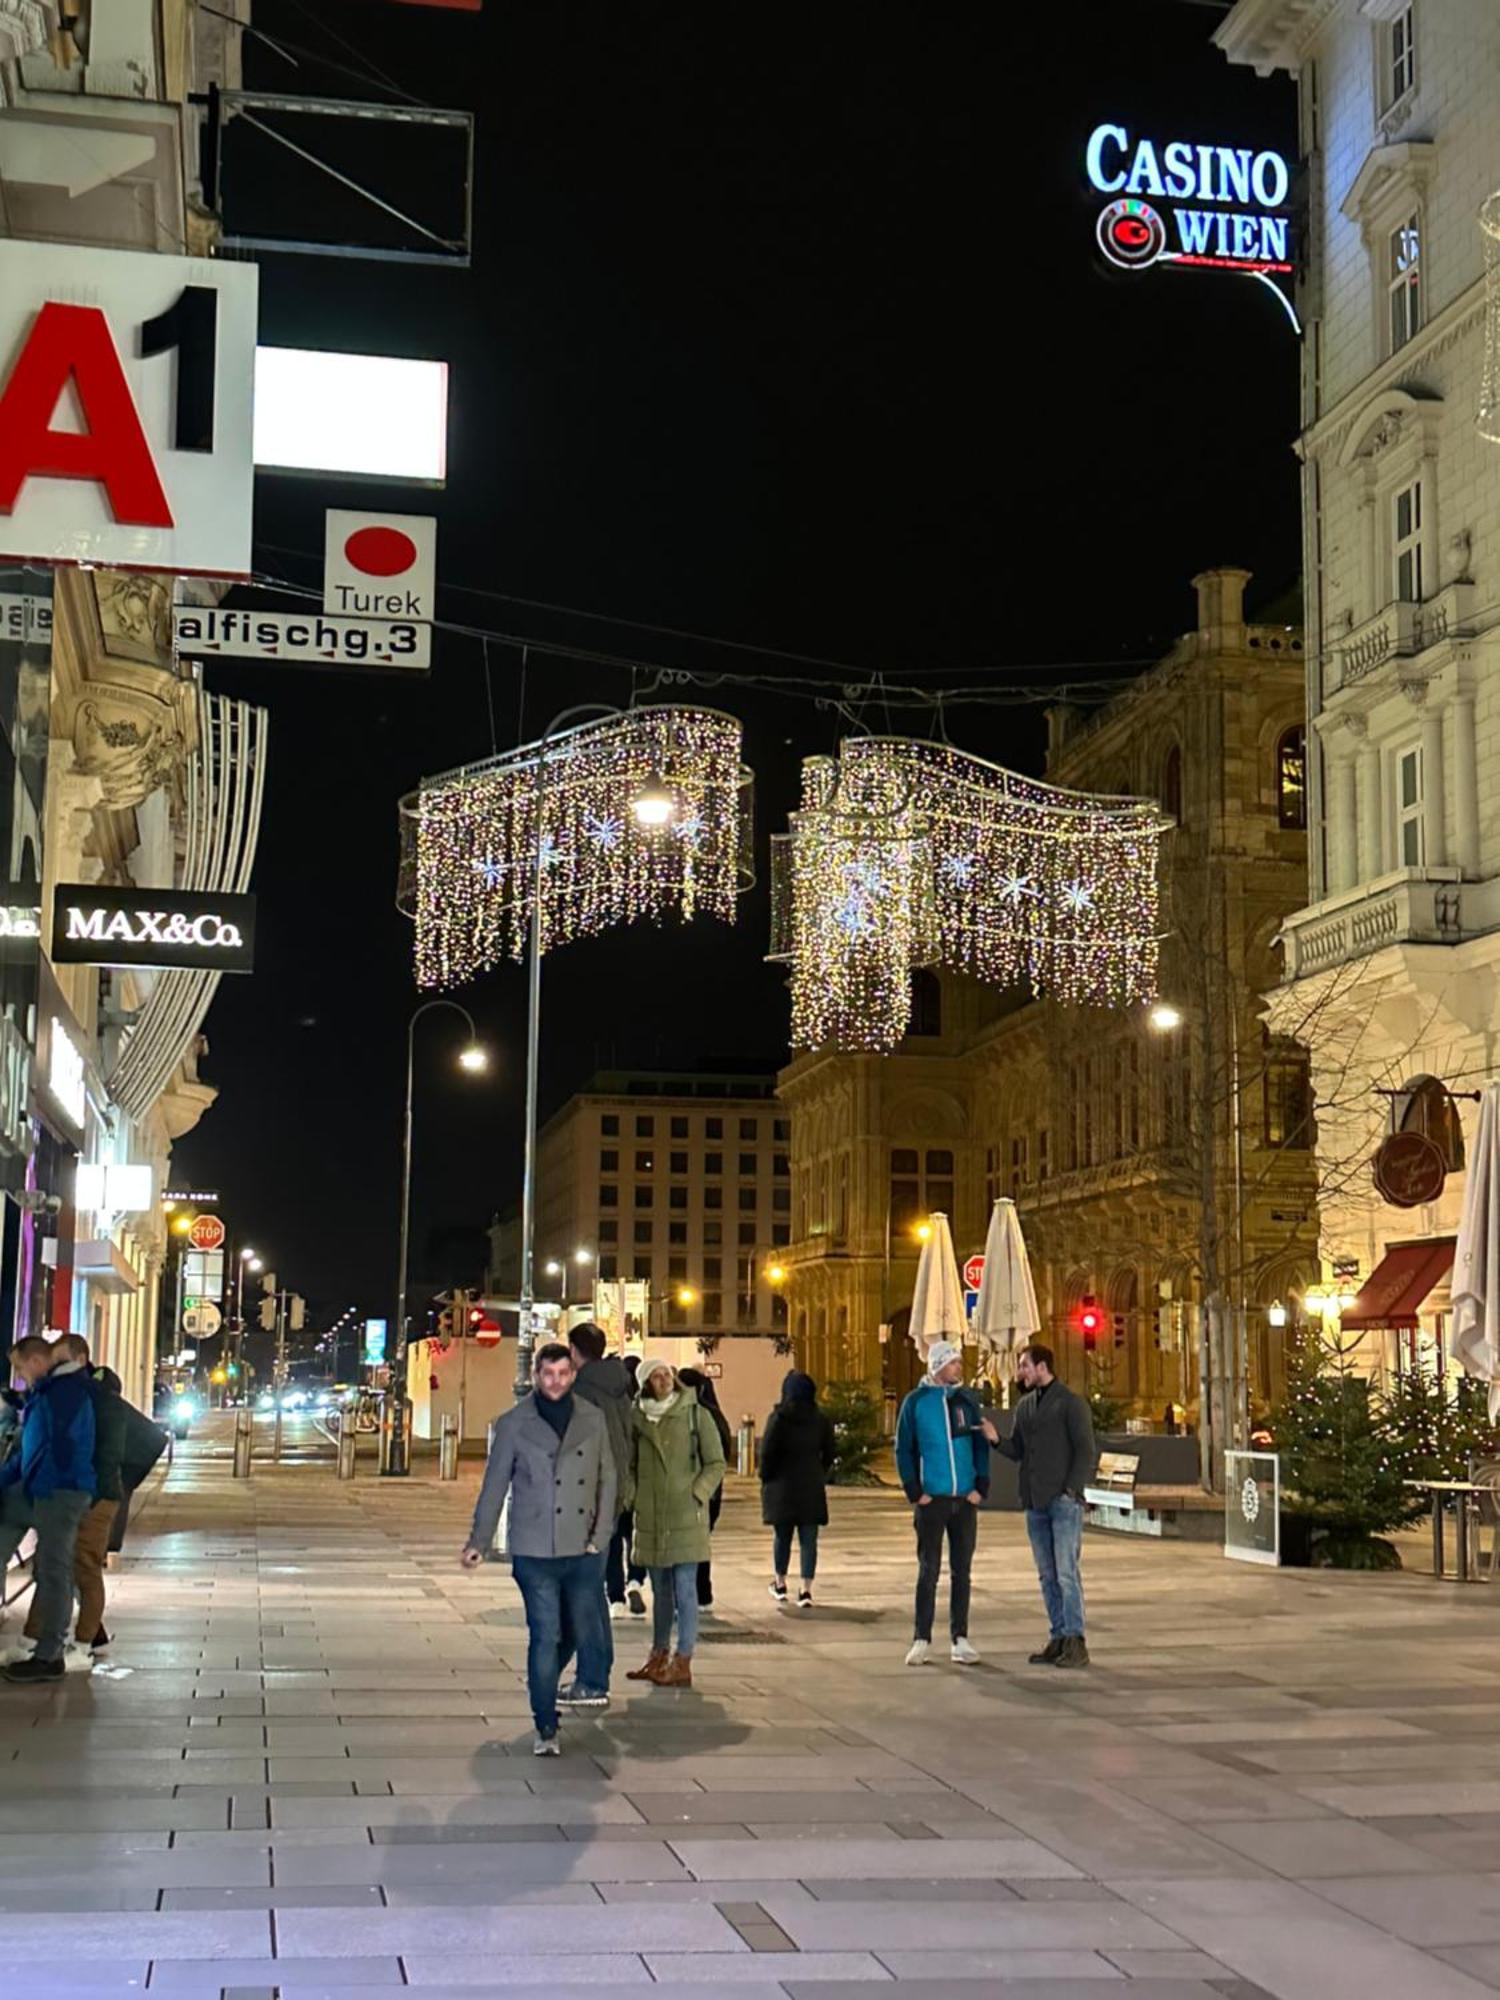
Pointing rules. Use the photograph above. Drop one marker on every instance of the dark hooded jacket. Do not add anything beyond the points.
(606, 1385)
(796, 1457)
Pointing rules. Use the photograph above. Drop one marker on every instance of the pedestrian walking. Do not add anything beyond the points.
(551, 1454)
(635, 1572)
(943, 1458)
(91, 1547)
(679, 1466)
(55, 1472)
(604, 1381)
(708, 1399)
(1052, 1439)
(796, 1457)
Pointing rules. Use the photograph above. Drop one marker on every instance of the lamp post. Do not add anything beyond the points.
(472, 1058)
(654, 807)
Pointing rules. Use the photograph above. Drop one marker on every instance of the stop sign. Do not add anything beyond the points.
(973, 1272)
(207, 1233)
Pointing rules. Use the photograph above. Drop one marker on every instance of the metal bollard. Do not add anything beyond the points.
(348, 1444)
(746, 1442)
(244, 1442)
(448, 1449)
(395, 1436)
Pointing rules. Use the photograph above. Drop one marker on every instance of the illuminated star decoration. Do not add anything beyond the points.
(473, 852)
(906, 854)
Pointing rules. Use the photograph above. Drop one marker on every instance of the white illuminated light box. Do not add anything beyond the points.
(123, 1189)
(373, 416)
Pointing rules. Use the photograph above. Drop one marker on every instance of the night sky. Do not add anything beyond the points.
(785, 326)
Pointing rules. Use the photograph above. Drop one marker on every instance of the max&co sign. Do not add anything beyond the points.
(196, 929)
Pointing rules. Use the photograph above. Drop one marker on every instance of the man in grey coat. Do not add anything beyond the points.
(1053, 1438)
(551, 1454)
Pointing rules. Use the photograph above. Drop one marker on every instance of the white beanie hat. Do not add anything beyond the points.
(940, 1354)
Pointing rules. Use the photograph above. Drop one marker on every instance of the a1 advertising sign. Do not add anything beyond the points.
(127, 382)
(380, 565)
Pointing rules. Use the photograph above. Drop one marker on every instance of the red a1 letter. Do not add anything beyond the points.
(73, 343)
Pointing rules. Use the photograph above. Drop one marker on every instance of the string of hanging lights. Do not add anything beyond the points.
(907, 854)
(643, 814)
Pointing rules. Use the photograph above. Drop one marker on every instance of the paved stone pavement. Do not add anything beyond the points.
(315, 1780)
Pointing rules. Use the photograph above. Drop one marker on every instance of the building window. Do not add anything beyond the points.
(781, 1233)
(1291, 779)
(645, 1197)
(906, 1189)
(679, 1128)
(747, 1198)
(781, 1166)
(778, 1309)
(1289, 1119)
(609, 1232)
(1409, 844)
(781, 1200)
(608, 1265)
(783, 1131)
(713, 1270)
(1403, 281)
(820, 1198)
(609, 1126)
(677, 1197)
(713, 1308)
(677, 1163)
(677, 1270)
(645, 1127)
(609, 1160)
(643, 1232)
(713, 1163)
(676, 1232)
(645, 1163)
(748, 1165)
(713, 1197)
(1171, 782)
(803, 1179)
(1398, 59)
(643, 1269)
(1406, 543)
(747, 1235)
(926, 1004)
(609, 1197)
(713, 1128)
(939, 1181)
(749, 1128)
(713, 1233)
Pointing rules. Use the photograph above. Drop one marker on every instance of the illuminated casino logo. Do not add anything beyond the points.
(1131, 234)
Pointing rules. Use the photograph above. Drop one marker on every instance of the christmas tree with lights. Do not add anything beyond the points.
(1342, 1466)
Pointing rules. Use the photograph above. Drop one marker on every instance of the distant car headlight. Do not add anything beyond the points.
(183, 1407)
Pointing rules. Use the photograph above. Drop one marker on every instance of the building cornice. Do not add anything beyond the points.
(1268, 35)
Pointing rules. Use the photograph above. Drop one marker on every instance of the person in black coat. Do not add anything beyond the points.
(796, 1457)
(708, 1399)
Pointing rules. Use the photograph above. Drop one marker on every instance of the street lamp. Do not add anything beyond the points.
(471, 1058)
(1164, 1017)
(655, 805)
(776, 1274)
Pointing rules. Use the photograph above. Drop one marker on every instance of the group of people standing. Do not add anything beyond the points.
(72, 1451)
(614, 1471)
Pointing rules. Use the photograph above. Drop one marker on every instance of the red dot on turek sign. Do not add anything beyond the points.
(380, 565)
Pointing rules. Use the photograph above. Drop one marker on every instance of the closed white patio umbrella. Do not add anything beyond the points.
(1476, 1260)
(937, 1304)
(1005, 1316)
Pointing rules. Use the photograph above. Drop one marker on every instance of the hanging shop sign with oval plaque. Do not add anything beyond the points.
(1409, 1169)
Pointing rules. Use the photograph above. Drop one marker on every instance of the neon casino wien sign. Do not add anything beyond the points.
(1211, 207)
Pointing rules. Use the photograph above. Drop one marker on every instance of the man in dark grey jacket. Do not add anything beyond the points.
(1053, 1438)
(551, 1455)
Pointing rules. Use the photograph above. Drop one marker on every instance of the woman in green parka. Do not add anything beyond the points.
(679, 1466)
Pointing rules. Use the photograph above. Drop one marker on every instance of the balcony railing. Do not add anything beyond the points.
(1420, 907)
(1399, 632)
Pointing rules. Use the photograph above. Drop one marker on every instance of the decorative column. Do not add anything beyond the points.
(1371, 845)
(1434, 791)
(1343, 860)
(1465, 786)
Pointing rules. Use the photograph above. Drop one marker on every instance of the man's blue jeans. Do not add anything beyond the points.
(548, 1584)
(1056, 1533)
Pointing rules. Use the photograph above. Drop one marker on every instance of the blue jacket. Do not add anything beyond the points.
(940, 1449)
(57, 1436)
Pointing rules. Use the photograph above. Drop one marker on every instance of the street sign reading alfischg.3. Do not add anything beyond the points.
(302, 639)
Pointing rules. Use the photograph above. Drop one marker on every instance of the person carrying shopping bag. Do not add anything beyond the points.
(678, 1462)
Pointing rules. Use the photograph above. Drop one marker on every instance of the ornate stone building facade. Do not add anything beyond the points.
(1154, 1167)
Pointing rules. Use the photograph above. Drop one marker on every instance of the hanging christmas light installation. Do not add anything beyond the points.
(642, 814)
(908, 854)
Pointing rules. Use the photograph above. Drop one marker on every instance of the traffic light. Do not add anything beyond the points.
(445, 1324)
(297, 1312)
(232, 1371)
(1090, 1319)
(268, 1315)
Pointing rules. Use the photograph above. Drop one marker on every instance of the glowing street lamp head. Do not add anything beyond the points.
(473, 1058)
(246, 1256)
(776, 1274)
(1164, 1017)
(654, 805)
(922, 1231)
(583, 1256)
(183, 1224)
(686, 1296)
(552, 1267)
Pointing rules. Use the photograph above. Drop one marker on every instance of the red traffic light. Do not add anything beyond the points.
(1090, 1319)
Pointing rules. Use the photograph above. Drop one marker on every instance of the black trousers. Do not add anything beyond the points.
(959, 1521)
(706, 1568)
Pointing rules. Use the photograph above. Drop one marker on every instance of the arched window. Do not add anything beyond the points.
(1426, 1105)
(1291, 779)
(926, 1004)
(1171, 782)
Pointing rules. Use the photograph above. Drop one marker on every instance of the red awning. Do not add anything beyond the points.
(1396, 1290)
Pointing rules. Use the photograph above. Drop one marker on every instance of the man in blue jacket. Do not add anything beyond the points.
(943, 1458)
(54, 1470)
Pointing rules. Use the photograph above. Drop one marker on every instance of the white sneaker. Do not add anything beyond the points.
(20, 1649)
(920, 1653)
(546, 1746)
(964, 1653)
(616, 1610)
(77, 1659)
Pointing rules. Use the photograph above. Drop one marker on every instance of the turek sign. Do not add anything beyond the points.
(155, 927)
(126, 391)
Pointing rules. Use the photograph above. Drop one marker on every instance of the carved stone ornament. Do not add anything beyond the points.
(1414, 690)
(1383, 434)
(25, 27)
(135, 615)
(130, 739)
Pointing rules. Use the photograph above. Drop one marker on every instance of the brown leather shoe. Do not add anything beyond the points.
(677, 1673)
(652, 1670)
